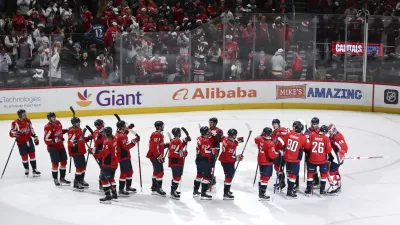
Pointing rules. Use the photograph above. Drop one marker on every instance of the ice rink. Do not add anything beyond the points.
(369, 193)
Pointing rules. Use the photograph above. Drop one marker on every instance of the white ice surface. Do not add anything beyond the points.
(369, 193)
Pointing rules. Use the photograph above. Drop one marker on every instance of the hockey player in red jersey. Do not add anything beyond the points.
(294, 144)
(277, 136)
(266, 155)
(205, 152)
(228, 159)
(215, 138)
(156, 156)
(109, 164)
(318, 150)
(53, 137)
(124, 157)
(340, 149)
(77, 150)
(314, 129)
(98, 138)
(22, 130)
(177, 154)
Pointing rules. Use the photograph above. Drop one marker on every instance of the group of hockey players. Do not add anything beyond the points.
(278, 148)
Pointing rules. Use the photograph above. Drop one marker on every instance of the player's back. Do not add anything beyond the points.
(294, 144)
(319, 148)
(204, 146)
(110, 153)
(175, 148)
(339, 142)
(228, 154)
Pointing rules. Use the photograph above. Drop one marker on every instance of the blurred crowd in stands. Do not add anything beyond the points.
(84, 42)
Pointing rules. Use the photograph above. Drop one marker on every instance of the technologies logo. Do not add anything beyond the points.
(84, 102)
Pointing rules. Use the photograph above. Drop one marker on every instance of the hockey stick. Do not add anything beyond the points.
(367, 157)
(170, 139)
(138, 150)
(244, 148)
(90, 144)
(12, 148)
(304, 166)
(116, 116)
(183, 166)
(255, 176)
(70, 159)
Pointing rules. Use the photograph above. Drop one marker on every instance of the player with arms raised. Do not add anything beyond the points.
(314, 129)
(294, 144)
(109, 164)
(22, 130)
(228, 158)
(53, 137)
(339, 152)
(319, 148)
(205, 152)
(177, 155)
(156, 156)
(77, 150)
(216, 138)
(266, 155)
(277, 136)
(124, 156)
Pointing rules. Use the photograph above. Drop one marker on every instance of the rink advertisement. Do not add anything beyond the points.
(177, 97)
(386, 99)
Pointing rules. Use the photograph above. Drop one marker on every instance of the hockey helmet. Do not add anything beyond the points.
(204, 130)
(75, 120)
(158, 125)
(277, 121)
(121, 124)
(107, 131)
(20, 112)
(298, 128)
(214, 120)
(50, 114)
(232, 133)
(267, 131)
(99, 123)
(176, 132)
(315, 120)
(324, 129)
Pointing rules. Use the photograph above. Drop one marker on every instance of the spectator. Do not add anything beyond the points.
(297, 66)
(5, 62)
(11, 42)
(374, 67)
(351, 11)
(24, 6)
(278, 64)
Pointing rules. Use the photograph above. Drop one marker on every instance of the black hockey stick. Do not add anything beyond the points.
(244, 148)
(183, 166)
(140, 165)
(116, 116)
(70, 160)
(255, 176)
(90, 144)
(5, 167)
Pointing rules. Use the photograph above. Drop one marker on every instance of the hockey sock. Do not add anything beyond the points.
(128, 183)
(159, 183)
(153, 185)
(174, 186)
(55, 174)
(262, 189)
(33, 164)
(204, 187)
(196, 185)
(83, 175)
(78, 177)
(290, 186)
(62, 173)
(26, 166)
(227, 188)
(122, 185)
(107, 189)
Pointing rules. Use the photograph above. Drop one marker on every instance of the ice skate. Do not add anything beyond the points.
(291, 195)
(114, 196)
(322, 191)
(36, 173)
(174, 193)
(57, 183)
(84, 184)
(204, 195)
(159, 191)
(78, 186)
(129, 188)
(64, 182)
(123, 193)
(228, 196)
(196, 187)
(106, 199)
(227, 193)
(308, 191)
(261, 193)
(27, 172)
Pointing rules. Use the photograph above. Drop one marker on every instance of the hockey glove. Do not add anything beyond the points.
(160, 158)
(135, 140)
(16, 134)
(215, 151)
(239, 157)
(185, 153)
(99, 136)
(187, 139)
(240, 139)
(36, 140)
(75, 142)
(166, 145)
(131, 126)
(90, 150)
(64, 131)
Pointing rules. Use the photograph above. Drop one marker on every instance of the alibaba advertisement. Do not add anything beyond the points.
(356, 48)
